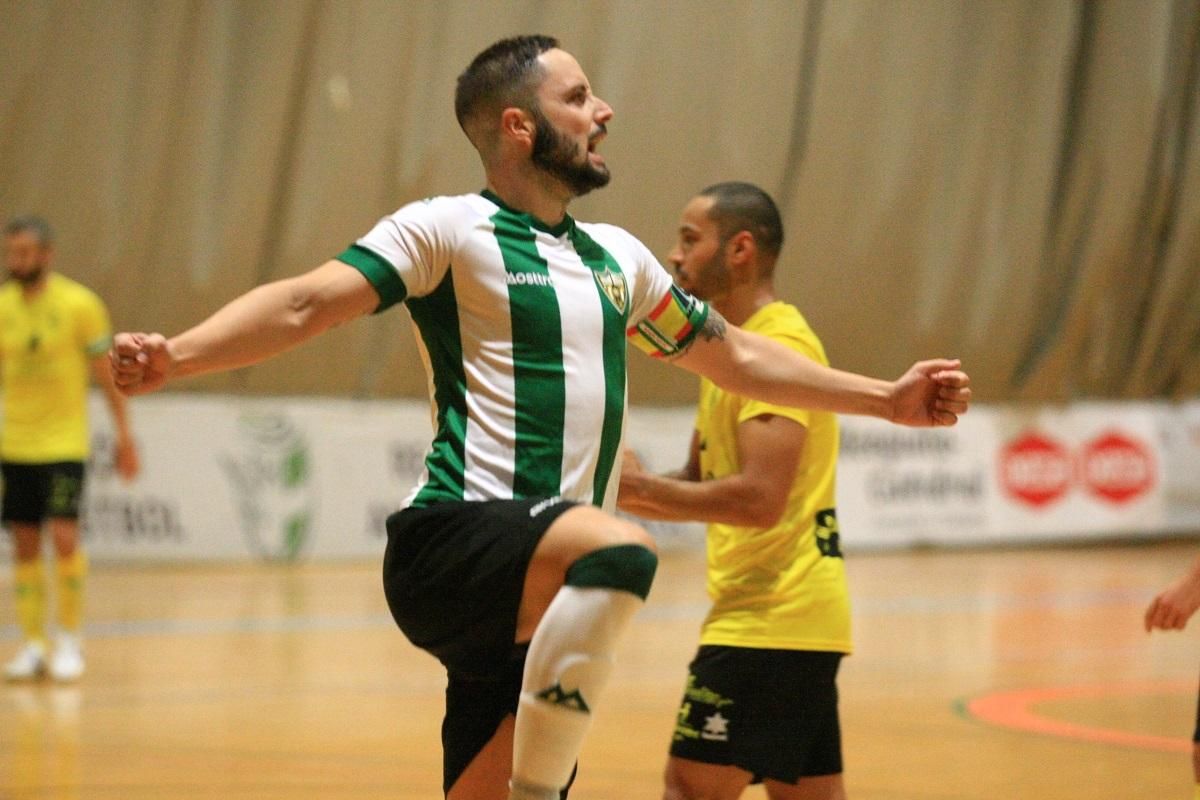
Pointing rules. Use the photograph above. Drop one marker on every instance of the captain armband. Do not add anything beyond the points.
(671, 327)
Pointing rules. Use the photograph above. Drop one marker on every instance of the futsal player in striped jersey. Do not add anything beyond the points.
(506, 562)
(1170, 610)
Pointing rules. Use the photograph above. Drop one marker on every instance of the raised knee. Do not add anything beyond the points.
(627, 532)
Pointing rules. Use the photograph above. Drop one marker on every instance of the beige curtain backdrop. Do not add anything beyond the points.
(1016, 183)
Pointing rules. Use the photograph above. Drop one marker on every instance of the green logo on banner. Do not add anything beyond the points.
(270, 478)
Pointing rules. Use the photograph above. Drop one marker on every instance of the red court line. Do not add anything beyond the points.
(1015, 709)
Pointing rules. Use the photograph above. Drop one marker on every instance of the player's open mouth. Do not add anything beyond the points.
(594, 139)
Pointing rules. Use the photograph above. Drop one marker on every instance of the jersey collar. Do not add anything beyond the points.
(533, 222)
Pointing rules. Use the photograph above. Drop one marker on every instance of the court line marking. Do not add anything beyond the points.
(1014, 709)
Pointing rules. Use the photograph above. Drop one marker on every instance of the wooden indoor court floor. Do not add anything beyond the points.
(979, 675)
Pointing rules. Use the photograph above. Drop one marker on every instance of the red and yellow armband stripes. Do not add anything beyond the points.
(671, 326)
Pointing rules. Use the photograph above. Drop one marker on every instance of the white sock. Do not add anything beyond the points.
(518, 791)
(568, 665)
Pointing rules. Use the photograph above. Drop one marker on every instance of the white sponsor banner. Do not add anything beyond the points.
(1180, 434)
(1082, 469)
(903, 486)
(1005, 475)
(229, 478)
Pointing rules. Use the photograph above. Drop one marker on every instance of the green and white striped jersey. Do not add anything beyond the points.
(522, 330)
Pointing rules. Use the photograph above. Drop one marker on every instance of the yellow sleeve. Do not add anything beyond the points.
(93, 328)
(756, 408)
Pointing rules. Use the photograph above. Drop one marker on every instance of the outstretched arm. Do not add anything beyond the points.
(262, 323)
(930, 393)
(1174, 606)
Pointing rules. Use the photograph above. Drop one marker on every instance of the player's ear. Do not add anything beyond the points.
(518, 125)
(741, 249)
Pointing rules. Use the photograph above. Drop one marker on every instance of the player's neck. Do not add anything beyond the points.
(743, 302)
(532, 193)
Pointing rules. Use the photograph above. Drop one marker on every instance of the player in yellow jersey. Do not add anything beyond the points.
(761, 697)
(53, 333)
(1170, 610)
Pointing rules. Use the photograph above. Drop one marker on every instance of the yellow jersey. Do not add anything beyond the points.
(47, 344)
(783, 587)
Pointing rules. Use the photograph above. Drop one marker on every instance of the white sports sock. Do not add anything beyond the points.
(518, 791)
(569, 662)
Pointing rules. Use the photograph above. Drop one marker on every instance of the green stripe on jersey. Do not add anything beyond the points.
(436, 316)
(601, 262)
(539, 384)
(376, 269)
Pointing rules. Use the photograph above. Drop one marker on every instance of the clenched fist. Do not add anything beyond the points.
(141, 362)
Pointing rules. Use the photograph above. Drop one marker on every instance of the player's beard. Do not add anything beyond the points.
(31, 278)
(557, 155)
(709, 281)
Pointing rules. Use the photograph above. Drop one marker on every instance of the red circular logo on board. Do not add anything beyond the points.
(1117, 467)
(1035, 469)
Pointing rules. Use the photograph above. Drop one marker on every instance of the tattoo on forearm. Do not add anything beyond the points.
(713, 328)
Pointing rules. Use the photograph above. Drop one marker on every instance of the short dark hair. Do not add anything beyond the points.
(502, 75)
(741, 206)
(31, 223)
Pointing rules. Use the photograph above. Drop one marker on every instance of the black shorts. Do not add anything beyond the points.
(772, 713)
(34, 492)
(453, 574)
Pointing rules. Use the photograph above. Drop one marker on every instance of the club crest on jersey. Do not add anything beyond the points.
(612, 284)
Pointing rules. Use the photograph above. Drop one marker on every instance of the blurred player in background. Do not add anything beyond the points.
(505, 562)
(761, 695)
(1170, 611)
(53, 333)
